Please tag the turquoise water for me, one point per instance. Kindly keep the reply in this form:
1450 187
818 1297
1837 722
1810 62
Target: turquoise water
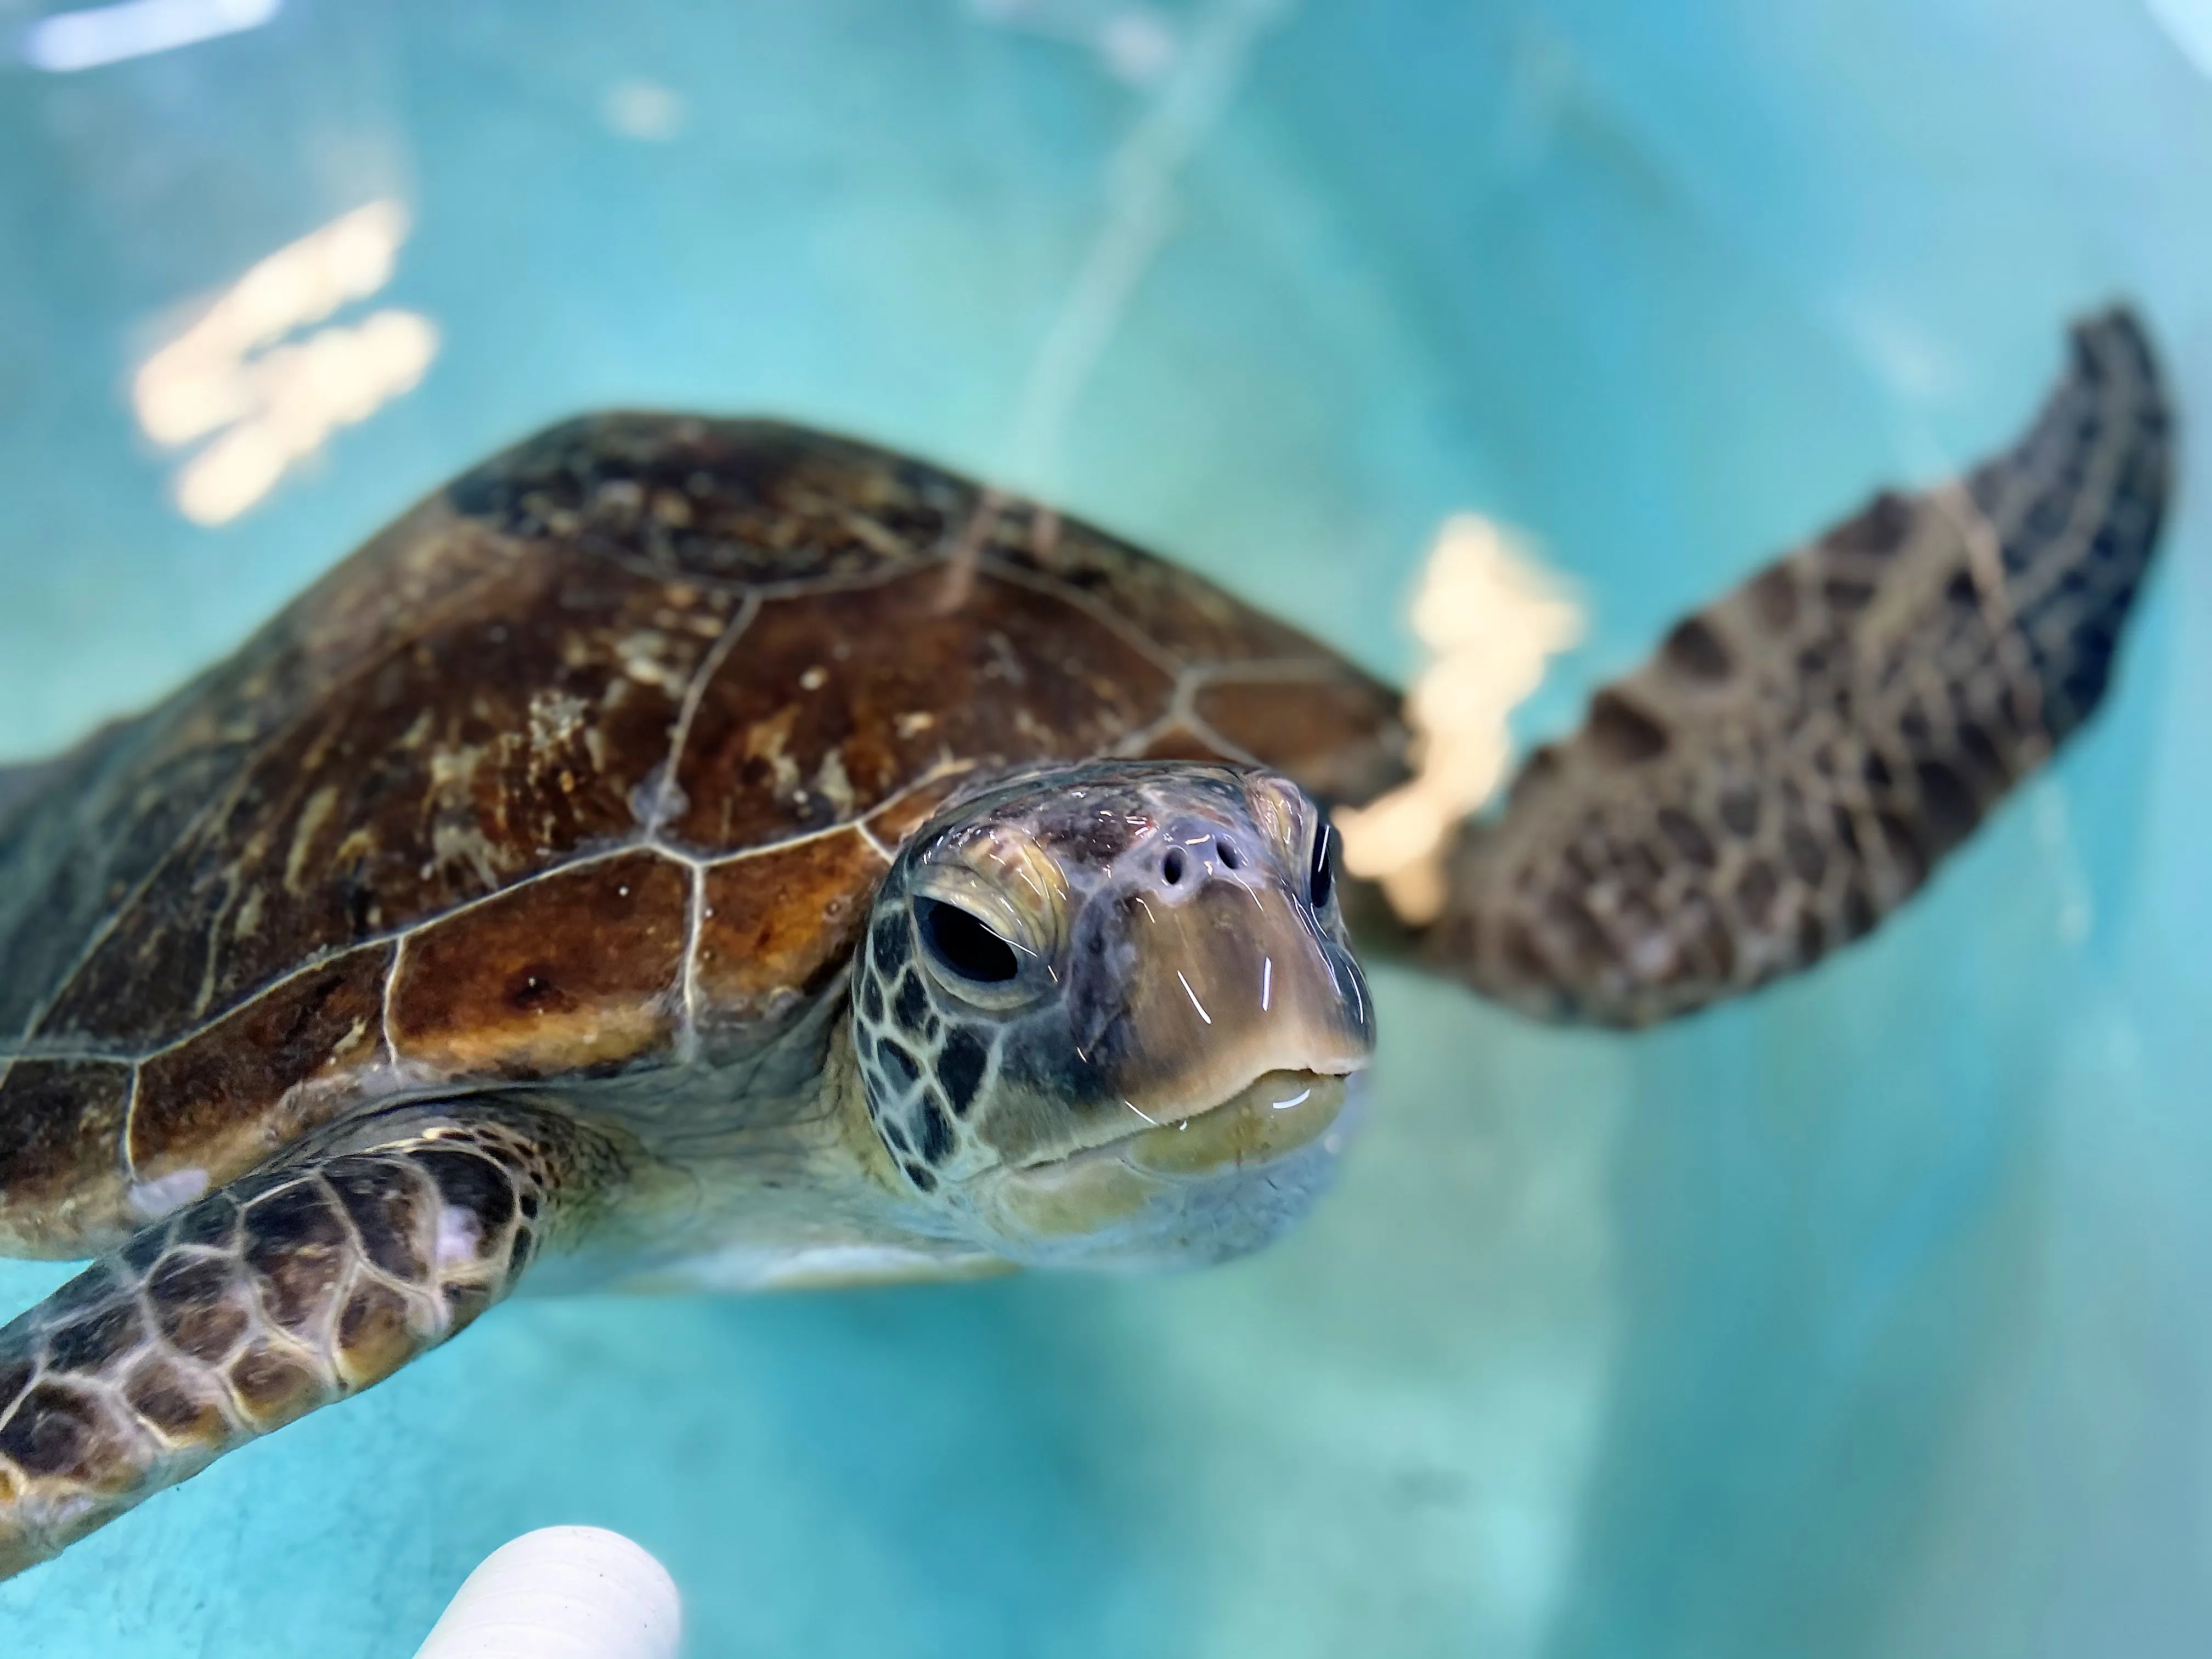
1864 1319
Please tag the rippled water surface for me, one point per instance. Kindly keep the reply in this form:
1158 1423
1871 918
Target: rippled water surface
1868 1318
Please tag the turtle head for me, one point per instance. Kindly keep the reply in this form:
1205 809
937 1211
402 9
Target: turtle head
1106 1015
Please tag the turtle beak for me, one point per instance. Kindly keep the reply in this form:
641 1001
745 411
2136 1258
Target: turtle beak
1185 998
1229 1028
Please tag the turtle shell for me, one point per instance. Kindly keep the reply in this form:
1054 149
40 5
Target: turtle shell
591 763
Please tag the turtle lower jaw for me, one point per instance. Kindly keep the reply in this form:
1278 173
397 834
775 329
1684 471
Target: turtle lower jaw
1224 1180
1276 1113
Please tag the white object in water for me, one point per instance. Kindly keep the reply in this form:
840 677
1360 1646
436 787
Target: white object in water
562 1593
1490 616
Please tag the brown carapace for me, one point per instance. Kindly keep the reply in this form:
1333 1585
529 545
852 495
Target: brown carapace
575 786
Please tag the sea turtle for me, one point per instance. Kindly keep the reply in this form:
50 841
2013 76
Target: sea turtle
711 850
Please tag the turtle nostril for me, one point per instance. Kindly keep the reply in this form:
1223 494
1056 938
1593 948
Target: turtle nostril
1171 867
1230 857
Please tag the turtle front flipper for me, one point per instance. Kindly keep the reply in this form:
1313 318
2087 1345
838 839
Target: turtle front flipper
294 1286
1797 759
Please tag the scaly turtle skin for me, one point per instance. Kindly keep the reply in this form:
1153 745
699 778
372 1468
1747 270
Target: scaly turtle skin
713 852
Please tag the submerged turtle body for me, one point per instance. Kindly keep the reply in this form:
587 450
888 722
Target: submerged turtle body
712 848
589 765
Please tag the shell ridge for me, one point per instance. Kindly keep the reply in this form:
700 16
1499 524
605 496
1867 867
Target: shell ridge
125 1162
29 1047
1038 581
246 761
665 788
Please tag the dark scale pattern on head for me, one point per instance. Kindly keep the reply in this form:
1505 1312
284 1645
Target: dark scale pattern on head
936 1129
960 1067
922 1070
898 1065
893 941
912 1005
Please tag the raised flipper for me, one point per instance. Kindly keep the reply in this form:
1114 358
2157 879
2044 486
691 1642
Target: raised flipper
292 1287
1797 759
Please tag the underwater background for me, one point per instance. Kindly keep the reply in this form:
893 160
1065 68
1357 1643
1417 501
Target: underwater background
1867 1317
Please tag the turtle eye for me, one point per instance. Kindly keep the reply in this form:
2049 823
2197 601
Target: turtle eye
964 945
1321 879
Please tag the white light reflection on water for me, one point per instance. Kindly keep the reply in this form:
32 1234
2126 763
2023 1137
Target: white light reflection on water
643 110
2190 24
1136 43
1142 177
73 40
269 401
